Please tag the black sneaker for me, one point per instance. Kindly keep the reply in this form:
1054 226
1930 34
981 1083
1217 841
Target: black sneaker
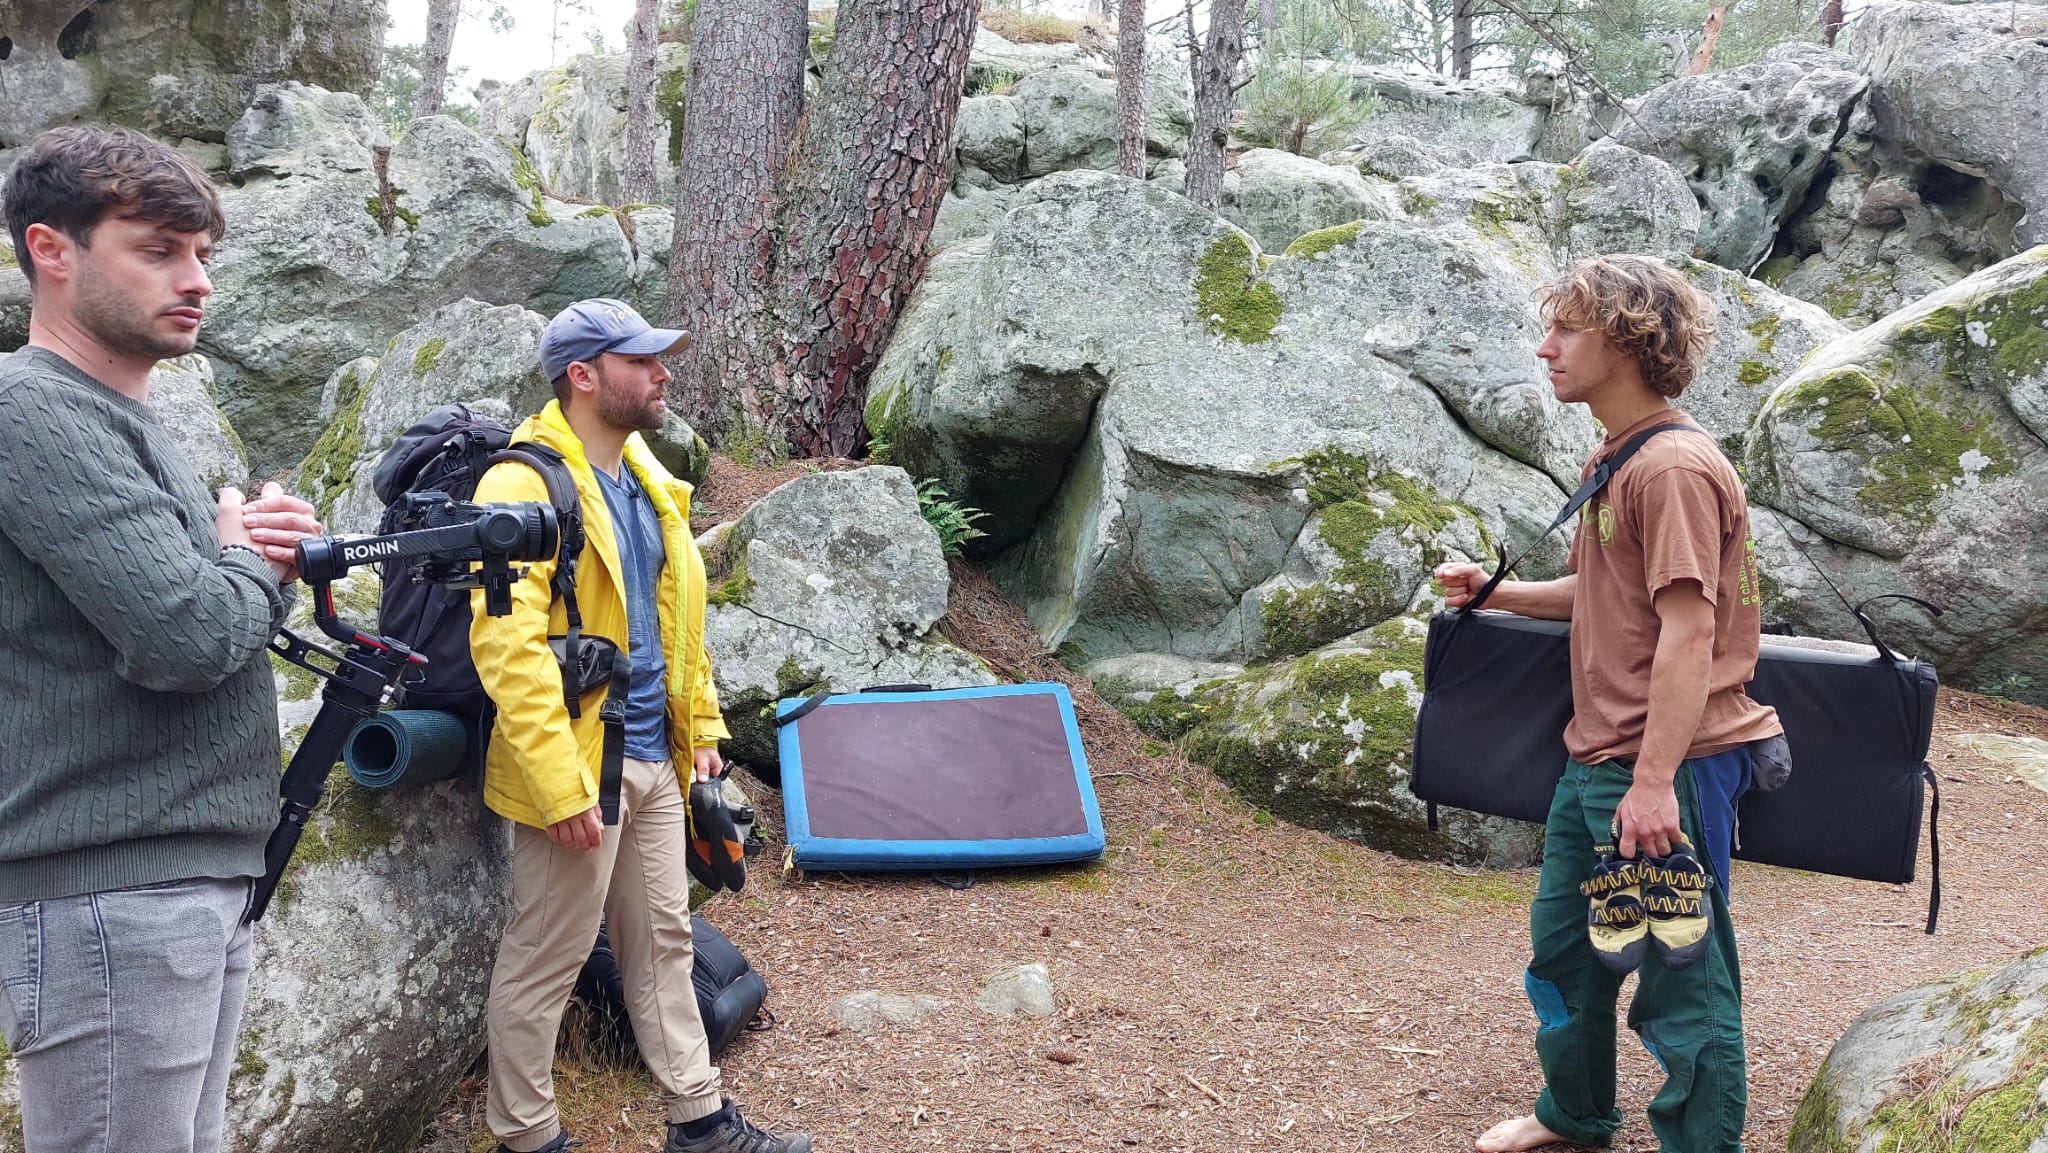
736 1134
562 1141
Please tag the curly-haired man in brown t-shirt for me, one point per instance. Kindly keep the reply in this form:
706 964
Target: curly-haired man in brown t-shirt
1665 620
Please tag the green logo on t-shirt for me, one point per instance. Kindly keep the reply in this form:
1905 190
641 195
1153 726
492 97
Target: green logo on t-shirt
1605 513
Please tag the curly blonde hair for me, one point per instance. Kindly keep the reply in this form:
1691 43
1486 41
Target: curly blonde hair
1643 307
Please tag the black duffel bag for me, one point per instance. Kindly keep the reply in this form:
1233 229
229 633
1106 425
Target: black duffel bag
1490 738
730 994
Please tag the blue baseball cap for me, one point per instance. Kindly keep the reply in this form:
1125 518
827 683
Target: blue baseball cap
588 329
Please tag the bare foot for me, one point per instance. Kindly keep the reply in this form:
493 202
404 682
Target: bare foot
1516 1135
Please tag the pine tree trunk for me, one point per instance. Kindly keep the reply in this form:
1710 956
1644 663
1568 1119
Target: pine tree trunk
441 16
1710 38
1461 39
644 60
1103 10
1215 72
1831 20
1269 26
745 97
1130 89
862 192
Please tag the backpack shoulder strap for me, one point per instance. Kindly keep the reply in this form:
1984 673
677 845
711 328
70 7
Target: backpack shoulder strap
1603 472
554 473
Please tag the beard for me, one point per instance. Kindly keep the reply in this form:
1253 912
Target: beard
626 409
124 325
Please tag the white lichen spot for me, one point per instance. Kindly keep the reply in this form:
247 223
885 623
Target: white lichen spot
1406 681
1354 729
1973 464
1979 334
818 581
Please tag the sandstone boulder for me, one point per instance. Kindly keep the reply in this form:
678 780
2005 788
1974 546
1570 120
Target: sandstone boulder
1915 447
307 279
1964 86
832 581
484 356
576 136
1959 1064
1277 196
181 394
183 68
1749 141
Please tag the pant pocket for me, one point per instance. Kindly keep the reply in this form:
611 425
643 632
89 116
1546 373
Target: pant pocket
21 972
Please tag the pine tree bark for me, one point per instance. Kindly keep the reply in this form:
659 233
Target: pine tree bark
1461 39
643 62
1831 20
1269 26
1103 10
1130 89
441 16
1710 39
1215 72
745 97
862 192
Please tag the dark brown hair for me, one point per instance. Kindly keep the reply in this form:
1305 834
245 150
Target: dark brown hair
75 177
1643 307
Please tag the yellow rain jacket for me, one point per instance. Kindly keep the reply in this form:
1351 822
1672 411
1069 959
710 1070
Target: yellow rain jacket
542 766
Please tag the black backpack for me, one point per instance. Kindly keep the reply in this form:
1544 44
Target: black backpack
730 994
449 451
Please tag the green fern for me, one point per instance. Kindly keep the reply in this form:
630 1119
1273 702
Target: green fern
953 521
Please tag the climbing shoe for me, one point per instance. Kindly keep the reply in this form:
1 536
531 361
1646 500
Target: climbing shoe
1615 920
1681 913
732 1133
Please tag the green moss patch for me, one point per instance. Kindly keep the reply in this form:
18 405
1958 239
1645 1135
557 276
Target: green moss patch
1753 372
428 356
1414 201
669 90
1330 748
1765 331
1231 297
1314 244
331 462
528 178
375 205
1916 442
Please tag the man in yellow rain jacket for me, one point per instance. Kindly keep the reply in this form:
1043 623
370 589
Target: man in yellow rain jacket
639 583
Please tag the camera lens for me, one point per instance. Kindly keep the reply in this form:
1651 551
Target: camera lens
501 531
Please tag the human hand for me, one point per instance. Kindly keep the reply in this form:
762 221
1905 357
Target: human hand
1648 816
230 520
276 521
708 763
1461 580
581 832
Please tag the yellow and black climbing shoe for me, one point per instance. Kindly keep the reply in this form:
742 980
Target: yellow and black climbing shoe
1681 914
1615 921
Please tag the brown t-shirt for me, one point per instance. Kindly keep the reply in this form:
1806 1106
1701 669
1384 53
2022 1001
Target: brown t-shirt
1675 512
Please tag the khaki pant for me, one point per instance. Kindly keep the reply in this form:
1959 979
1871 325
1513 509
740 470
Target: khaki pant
637 880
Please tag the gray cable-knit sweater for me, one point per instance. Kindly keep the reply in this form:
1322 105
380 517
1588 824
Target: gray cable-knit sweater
138 716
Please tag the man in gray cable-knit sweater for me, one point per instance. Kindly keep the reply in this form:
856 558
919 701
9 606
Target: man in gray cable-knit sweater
138 740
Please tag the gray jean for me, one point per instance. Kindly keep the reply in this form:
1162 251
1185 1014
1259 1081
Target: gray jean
121 1009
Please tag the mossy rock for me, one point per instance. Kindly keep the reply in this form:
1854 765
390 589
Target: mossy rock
1958 1066
1325 741
1378 532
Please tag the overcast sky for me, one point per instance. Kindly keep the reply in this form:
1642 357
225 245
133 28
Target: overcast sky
492 55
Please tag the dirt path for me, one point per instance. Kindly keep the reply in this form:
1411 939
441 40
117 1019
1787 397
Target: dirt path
1227 982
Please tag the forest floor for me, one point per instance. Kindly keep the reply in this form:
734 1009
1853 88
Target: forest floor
1228 981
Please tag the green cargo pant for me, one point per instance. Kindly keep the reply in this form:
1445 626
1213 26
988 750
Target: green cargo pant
1690 1021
